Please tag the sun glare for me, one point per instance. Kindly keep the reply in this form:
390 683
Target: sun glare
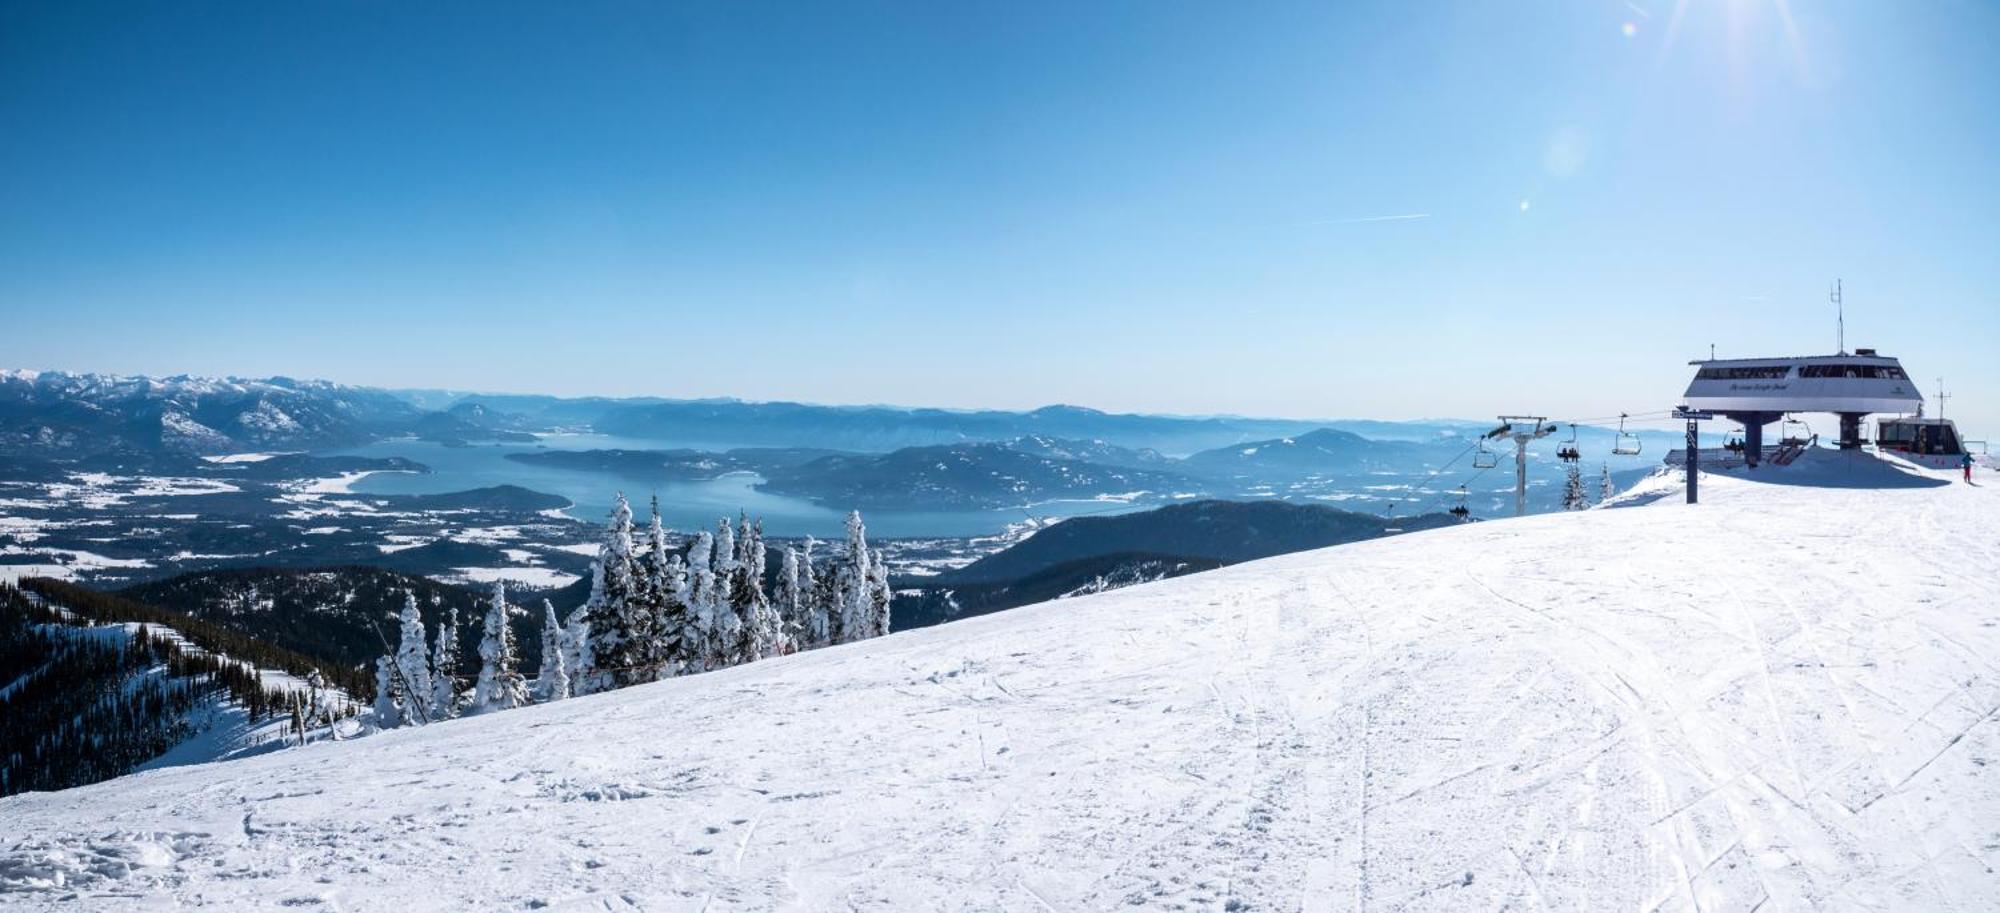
1742 20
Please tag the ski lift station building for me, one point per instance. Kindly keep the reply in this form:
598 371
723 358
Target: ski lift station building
1755 392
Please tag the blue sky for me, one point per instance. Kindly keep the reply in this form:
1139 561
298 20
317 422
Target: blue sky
1312 209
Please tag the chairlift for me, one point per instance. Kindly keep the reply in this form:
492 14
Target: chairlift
1484 458
1794 430
1627 443
1567 451
1459 510
1734 442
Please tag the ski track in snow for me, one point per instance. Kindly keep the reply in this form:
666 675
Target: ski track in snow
1783 699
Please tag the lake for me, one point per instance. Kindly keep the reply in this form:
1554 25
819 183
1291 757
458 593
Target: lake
683 505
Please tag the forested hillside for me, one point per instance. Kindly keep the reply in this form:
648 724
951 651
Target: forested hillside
101 686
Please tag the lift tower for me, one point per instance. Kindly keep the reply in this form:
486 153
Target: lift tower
1522 428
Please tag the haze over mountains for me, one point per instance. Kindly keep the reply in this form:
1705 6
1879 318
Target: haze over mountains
871 457
59 413
198 473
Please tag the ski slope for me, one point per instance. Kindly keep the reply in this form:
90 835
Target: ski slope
1785 698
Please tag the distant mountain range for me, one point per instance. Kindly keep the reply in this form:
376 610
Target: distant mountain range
865 457
64 415
883 428
1026 470
59 415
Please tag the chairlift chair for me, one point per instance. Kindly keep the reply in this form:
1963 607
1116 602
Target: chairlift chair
1484 458
1627 443
1567 451
1459 510
1794 430
1734 442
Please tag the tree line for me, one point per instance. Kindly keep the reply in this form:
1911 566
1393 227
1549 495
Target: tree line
655 611
80 703
105 608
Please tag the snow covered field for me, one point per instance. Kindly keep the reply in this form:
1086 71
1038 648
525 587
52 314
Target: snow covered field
1786 698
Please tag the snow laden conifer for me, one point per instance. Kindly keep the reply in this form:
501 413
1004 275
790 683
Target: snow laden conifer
789 602
1574 497
619 617
722 558
576 646
819 595
500 686
444 668
673 619
388 709
552 681
856 610
579 659
760 631
413 664
725 548
700 641
650 617
1605 490
656 553
878 595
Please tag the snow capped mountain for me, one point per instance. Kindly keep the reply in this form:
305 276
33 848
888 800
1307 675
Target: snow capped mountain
180 432
59 414
1782 698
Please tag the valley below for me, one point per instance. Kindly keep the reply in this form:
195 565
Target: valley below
115 481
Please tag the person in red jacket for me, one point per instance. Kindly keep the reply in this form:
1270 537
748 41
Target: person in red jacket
1965 462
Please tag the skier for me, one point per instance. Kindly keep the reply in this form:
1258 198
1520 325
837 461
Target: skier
1965 463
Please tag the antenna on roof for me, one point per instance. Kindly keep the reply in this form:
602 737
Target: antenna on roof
1840 315
1941 398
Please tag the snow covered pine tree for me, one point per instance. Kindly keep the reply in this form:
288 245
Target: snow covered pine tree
666 602
700 651
818 595
1605 490
552 682
414 665
862 588
500 686
444 668
788 600
620 619
1574 497
388 704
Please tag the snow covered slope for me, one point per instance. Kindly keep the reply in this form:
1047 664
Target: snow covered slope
1783 698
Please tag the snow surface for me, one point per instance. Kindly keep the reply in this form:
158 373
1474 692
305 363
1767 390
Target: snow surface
1783 698
542 578
245 457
